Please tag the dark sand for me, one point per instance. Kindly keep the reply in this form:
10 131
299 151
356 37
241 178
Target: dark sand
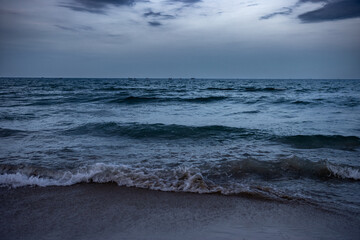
106 211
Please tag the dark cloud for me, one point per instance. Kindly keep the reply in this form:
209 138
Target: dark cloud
101 6
66 28
284 11
96 6
331 11
83 9
186 1
158 15
314 1
75 29
154 23
104 3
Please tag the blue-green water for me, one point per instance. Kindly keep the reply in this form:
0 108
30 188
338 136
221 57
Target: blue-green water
290 140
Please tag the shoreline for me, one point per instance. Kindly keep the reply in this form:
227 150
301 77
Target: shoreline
107 211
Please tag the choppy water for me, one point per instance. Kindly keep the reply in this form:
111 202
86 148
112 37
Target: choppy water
279 139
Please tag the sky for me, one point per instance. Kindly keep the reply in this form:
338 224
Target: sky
180 38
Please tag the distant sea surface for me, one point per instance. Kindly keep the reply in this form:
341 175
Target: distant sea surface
282 140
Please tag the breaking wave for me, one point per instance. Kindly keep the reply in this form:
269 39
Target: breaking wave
182 179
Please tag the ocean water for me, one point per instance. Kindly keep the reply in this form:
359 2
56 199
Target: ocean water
282 140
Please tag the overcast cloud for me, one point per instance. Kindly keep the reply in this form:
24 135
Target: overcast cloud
180 38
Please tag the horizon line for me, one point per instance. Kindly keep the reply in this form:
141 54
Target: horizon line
182 78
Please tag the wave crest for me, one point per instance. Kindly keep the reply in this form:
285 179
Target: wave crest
214 132
181 179
172 131
177 180
149 99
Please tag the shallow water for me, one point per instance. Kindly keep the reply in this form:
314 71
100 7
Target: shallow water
278 139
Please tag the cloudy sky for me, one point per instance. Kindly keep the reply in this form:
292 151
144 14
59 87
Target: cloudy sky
180 38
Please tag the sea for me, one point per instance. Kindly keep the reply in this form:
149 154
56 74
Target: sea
278 140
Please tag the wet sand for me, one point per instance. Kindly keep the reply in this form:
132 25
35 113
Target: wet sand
106 211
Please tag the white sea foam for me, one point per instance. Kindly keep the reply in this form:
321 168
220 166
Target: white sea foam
344 172
180 179
20 179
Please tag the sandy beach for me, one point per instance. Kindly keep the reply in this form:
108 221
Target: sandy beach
106 211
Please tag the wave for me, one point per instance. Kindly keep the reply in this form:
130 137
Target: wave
125 89
119 98
287 168
213 132
182 179
205 99
16 117
350 102
221 88
251 111
110 89
322 141
172 131
132 99
143 99
246 89
266 89
302 102
5 132
283 100
62 99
